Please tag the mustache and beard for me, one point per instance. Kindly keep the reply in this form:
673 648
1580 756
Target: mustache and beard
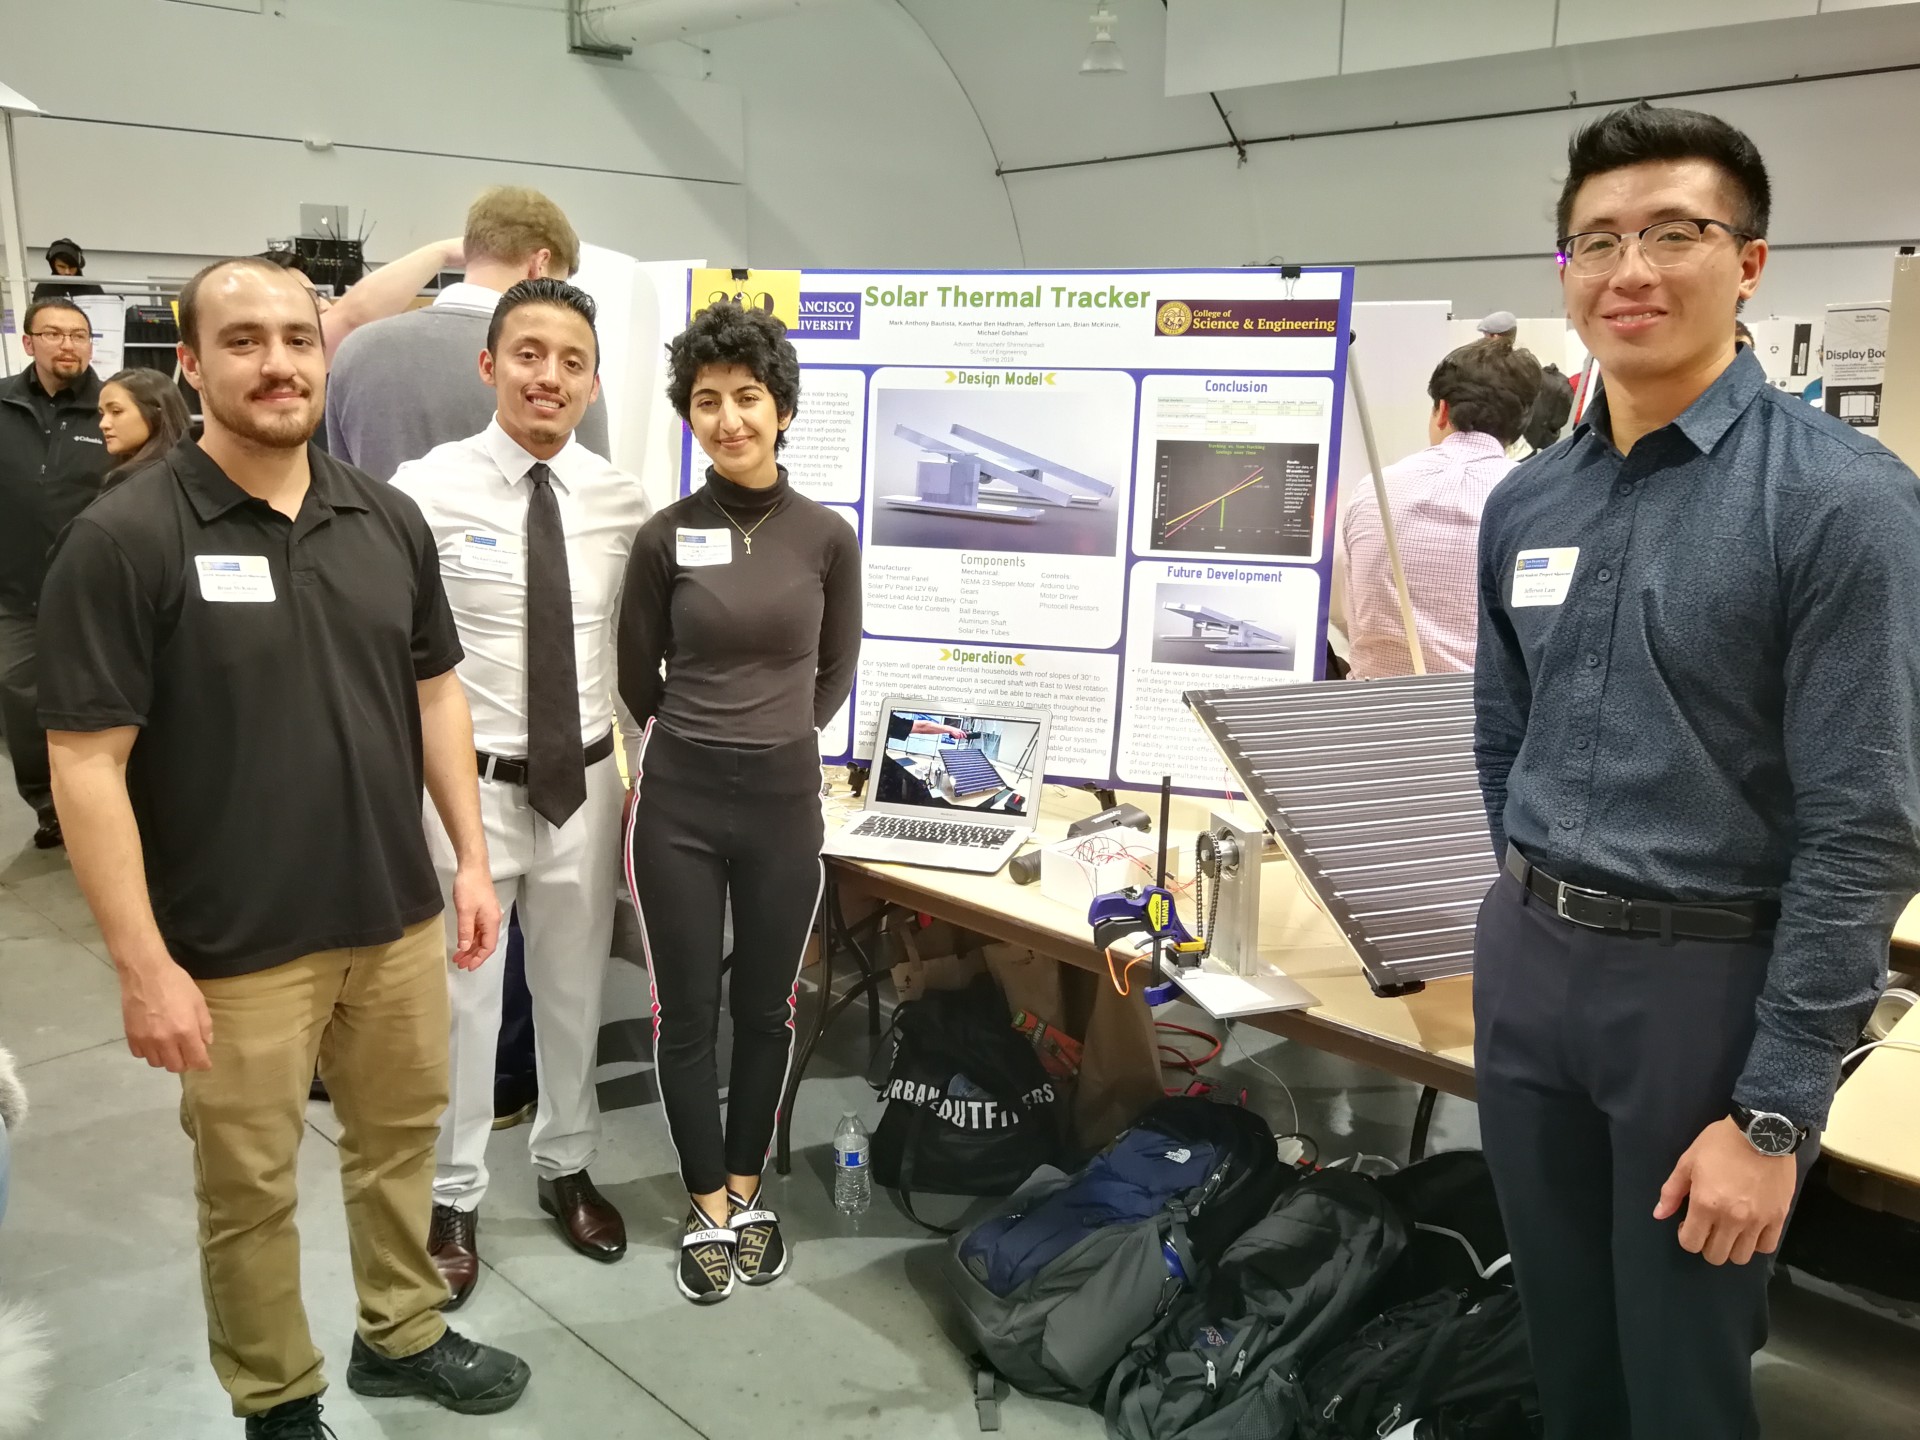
279 429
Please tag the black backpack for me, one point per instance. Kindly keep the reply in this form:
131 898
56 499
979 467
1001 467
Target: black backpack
1447 1347
969 1110
1450 1359
1225 1361
1055 1284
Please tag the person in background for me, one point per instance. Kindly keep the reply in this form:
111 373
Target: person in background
1742 336
402 385
381 293
1696 696
749 593
244 601
52 465
1552 407
1499 328
142 417
65 257
523 515
1482 394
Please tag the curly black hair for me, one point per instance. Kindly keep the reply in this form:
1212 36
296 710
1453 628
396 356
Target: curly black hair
725 334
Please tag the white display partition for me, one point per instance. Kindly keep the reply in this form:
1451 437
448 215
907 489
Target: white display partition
634 297
1396 344
1790 349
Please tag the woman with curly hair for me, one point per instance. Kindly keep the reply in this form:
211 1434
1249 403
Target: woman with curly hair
739 633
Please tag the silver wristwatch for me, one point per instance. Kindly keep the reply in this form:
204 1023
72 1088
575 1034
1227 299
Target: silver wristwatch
1768 1133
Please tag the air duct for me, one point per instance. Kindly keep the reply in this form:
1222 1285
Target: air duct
619 28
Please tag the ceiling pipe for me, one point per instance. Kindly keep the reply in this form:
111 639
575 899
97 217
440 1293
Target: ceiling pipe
649 22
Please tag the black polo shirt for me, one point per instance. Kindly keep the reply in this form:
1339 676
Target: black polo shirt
271 667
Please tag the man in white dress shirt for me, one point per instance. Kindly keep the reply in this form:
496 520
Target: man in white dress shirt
533 531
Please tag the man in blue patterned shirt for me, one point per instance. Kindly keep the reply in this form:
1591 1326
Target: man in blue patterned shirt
1698 701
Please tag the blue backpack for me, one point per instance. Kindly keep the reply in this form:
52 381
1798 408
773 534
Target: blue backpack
1057 1282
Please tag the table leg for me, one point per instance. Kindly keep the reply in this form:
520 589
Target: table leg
783 1130
1422 1123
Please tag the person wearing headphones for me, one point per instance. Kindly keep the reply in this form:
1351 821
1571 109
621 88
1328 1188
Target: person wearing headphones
739 634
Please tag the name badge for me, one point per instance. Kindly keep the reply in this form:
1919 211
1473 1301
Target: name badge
703 547
1543 577
489 553
235 579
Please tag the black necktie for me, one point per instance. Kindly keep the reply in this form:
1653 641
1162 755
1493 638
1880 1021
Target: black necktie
556 763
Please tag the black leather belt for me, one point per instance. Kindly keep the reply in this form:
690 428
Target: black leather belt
514 772
1597 910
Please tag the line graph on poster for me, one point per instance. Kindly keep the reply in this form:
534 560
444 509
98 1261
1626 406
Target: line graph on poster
1234 497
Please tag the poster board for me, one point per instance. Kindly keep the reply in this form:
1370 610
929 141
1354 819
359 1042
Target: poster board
1854 363
1085 492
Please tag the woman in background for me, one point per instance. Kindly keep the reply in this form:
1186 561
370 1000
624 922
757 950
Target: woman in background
141 418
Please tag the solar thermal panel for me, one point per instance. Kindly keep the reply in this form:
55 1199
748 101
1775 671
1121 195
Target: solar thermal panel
1371 789
972 772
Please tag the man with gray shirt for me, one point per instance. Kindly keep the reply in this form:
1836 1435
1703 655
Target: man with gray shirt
401 386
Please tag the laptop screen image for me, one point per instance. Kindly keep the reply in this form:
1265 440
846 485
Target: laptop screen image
942 761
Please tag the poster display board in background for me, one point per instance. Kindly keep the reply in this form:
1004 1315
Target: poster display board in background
1085 492
1855 363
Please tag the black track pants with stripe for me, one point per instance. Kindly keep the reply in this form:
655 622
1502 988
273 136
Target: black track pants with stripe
709 821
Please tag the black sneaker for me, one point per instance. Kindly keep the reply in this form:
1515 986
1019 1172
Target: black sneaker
48 835
705 1275
465 1377
295 1420
760 1257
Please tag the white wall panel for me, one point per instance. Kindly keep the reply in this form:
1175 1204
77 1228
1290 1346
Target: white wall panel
1384 34
1228 44
1617 19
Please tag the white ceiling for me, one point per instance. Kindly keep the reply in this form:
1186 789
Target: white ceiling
1018 62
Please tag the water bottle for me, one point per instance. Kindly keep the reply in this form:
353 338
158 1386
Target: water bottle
852 1177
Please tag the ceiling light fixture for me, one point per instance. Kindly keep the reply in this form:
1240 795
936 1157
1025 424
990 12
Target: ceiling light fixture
1103 55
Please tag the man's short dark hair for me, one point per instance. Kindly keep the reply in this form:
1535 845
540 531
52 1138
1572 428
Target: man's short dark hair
1635 134
725 334
190 295
1488 388
544 292
52 302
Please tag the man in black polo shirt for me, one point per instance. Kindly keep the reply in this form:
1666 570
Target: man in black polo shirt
1698 695
52 462
248 674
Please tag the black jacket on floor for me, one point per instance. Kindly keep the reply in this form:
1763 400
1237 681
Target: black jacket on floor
52 463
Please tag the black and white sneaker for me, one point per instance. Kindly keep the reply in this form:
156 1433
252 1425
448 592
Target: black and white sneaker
705 1274
760 1257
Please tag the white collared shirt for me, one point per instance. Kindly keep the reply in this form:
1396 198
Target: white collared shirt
465 295
474 494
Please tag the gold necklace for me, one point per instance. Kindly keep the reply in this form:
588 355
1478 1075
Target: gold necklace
746 536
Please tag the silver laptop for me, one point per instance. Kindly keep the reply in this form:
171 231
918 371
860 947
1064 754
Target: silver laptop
952 789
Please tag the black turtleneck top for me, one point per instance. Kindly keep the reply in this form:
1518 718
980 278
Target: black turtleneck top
759 637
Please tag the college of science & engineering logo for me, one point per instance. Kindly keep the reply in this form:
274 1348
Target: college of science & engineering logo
1173 318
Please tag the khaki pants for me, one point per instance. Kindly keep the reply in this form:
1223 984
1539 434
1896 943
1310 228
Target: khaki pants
375 1018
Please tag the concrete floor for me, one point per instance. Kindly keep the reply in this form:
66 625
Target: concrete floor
853 1343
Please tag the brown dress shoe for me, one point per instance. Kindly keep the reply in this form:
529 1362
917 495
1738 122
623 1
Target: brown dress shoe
453 1242
590 1223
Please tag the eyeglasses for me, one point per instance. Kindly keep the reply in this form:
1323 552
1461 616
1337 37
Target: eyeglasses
62 337
1665 245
